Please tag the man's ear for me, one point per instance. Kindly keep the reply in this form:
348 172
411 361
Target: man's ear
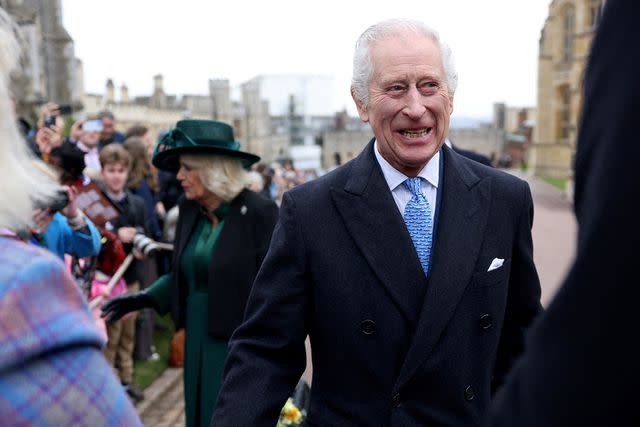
362 109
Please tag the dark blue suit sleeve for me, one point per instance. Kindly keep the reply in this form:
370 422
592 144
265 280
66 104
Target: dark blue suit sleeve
266 353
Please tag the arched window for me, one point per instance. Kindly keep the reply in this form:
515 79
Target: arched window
595 11
568 30
564 113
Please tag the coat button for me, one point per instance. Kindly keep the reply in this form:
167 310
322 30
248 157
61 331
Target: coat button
469 394
486 321
395 400
368 327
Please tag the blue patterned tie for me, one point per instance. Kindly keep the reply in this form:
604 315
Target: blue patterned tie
417 216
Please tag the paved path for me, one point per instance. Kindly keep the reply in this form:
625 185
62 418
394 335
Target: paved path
554 236
163 405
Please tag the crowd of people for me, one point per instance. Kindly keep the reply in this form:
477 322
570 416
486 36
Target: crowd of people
144 196
410 268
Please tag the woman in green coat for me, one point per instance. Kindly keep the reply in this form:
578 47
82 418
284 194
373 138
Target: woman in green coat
222 235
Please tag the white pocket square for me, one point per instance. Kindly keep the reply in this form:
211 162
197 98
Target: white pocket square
496 263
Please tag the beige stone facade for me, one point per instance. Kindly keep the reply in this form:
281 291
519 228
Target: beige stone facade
565 41
49 69
340 146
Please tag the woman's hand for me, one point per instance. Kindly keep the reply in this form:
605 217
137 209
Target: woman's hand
117 307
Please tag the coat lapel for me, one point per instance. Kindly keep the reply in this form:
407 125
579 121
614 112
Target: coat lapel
189 212
375 224
462 220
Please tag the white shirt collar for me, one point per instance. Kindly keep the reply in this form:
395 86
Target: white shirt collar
430 172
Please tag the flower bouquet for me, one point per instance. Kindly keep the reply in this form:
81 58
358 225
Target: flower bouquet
291 415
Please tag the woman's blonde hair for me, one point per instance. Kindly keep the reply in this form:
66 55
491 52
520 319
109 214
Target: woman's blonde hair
22 183
223 176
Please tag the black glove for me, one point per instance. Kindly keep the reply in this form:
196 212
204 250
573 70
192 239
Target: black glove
117 307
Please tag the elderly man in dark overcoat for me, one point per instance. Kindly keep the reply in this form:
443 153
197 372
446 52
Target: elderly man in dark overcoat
410 267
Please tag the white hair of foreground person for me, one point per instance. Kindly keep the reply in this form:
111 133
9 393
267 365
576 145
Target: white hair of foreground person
22 184
222 175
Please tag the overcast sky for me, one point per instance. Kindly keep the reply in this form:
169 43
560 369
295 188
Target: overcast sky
495 43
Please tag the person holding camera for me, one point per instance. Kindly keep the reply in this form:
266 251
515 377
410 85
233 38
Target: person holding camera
64 228
115 163
49 132
60 226
222 236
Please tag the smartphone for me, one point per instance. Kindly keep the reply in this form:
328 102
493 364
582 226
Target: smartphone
92 126
65 109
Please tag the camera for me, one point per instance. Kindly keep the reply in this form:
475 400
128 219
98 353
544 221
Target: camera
144 244
50 121
65 109
57 203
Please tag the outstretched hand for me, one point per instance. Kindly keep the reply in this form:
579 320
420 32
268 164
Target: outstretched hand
117 307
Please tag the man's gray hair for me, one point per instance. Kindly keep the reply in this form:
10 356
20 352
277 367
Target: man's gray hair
363 67
22 183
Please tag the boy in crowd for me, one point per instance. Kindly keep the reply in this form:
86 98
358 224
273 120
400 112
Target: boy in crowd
115 162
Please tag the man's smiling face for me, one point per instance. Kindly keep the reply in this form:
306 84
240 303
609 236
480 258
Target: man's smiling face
409 102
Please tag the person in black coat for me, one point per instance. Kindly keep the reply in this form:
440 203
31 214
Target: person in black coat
480 158
222 236
581 366
398 338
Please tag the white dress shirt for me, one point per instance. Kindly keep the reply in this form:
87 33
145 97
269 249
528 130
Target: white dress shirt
429 184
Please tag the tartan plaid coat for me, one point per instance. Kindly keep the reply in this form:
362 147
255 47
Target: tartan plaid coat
52 371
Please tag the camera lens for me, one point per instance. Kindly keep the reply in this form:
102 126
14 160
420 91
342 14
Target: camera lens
50 121
144 244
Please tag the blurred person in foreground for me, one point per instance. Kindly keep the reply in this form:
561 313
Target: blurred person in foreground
52 372
409 267
222 235
580 366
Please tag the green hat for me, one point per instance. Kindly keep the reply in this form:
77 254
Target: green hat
198 137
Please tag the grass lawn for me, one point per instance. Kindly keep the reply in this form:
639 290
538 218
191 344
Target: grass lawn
560 183
145 372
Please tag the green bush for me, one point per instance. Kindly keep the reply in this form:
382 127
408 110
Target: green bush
560 183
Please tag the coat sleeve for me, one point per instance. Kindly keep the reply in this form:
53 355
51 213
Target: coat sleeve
82 243
523 300
267 352
52 370
160 290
